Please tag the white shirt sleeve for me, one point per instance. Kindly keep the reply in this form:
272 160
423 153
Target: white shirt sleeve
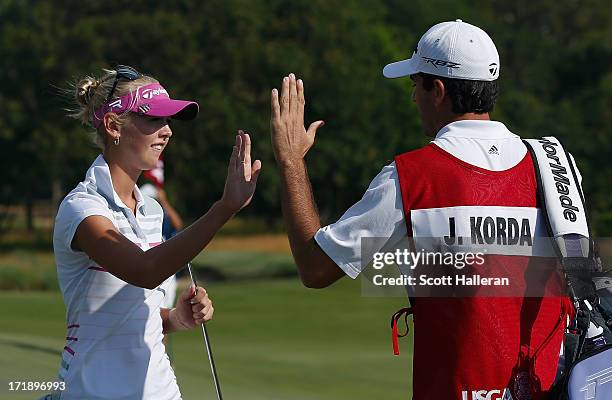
379 214
72 211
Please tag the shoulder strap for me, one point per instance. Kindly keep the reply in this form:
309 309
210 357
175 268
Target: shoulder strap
562 202
561 198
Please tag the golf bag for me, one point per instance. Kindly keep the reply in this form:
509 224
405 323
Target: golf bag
586 368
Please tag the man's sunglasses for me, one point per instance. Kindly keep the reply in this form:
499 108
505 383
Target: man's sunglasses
122 72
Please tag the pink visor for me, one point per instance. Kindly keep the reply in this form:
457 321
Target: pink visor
150 100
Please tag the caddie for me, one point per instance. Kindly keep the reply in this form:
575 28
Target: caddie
465 348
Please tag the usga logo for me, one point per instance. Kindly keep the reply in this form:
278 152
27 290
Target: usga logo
494 394
149 93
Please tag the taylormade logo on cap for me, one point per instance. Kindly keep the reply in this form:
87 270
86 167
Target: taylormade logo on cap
454 50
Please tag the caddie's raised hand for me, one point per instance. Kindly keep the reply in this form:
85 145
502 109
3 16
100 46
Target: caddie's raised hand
241 175
290 139
192 308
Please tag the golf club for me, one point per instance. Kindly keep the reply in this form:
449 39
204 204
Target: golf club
207 343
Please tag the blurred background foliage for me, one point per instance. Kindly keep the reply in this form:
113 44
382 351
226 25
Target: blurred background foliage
228 54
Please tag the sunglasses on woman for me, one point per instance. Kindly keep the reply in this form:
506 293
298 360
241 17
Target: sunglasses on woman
122 72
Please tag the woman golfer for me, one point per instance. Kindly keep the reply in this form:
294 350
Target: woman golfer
112 267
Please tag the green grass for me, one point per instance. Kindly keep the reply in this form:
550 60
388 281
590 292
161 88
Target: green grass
273 339
23 269
237 265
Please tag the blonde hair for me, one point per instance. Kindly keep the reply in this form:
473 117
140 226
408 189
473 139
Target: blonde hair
90 93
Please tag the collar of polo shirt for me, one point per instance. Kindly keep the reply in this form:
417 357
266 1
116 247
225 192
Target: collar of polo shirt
476 129
104 184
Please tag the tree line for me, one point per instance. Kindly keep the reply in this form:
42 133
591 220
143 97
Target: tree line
228 55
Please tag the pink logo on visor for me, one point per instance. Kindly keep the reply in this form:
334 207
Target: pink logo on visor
151 100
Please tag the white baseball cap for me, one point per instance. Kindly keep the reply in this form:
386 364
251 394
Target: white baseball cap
455 50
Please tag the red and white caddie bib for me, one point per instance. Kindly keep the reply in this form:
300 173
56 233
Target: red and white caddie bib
473 348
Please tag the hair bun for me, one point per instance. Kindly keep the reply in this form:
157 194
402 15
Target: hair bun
85 90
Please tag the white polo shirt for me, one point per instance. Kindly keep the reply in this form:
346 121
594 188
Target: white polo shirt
379 213
114 346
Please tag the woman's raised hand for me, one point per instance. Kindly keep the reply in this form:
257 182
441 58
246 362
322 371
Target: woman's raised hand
241 175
